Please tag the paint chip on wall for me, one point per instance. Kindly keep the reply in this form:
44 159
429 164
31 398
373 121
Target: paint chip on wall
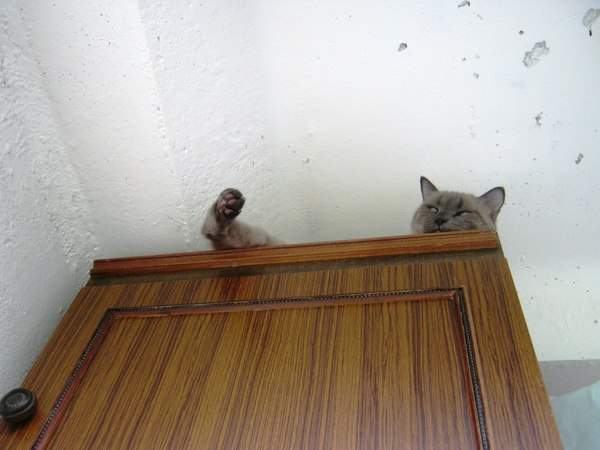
589 18
465 3
533 57
538 119
402 47
579 158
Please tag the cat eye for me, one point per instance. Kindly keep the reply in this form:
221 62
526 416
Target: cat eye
461 213
433 209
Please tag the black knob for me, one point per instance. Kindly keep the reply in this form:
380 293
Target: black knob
18 405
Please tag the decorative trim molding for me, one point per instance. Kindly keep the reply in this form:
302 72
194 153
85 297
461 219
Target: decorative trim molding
418 244
455 295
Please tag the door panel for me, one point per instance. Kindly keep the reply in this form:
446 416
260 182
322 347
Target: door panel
360 371
441 355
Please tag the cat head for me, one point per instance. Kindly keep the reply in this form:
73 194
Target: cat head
453 211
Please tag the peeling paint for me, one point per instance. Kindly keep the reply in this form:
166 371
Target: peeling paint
533 57
589 18
476 75
465 3
402 47
579 158
538 119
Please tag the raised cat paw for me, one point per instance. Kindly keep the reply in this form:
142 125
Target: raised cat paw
229 204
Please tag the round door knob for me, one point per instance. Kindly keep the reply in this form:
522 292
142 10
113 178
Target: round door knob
18 405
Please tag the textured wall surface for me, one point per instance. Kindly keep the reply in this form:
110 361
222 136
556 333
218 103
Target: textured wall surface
46 235
124 120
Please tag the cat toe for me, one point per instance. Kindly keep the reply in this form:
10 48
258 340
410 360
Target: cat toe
230 203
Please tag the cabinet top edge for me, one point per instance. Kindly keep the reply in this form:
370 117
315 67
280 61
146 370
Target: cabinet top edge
417 244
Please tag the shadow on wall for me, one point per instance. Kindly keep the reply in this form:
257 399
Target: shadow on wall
561 377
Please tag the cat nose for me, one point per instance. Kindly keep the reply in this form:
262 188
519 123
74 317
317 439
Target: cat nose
440 221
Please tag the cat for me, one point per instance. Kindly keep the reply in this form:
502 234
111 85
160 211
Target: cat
224 232
454 211
440 211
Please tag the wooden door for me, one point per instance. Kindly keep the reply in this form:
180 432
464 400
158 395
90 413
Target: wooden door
411 342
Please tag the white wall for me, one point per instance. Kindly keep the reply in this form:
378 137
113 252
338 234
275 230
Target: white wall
46 236
311 110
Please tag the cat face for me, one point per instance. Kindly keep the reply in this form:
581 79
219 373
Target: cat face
454 211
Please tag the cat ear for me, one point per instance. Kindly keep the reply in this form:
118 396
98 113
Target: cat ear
427 188
494 199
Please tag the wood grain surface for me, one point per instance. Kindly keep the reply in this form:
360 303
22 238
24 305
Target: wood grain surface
515 405
358 372
299 253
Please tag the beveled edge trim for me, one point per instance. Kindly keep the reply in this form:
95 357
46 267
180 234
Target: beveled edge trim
73 381
460 296
112 314
459 241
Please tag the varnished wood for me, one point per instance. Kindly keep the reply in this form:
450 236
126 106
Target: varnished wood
299 253
273 374
514 402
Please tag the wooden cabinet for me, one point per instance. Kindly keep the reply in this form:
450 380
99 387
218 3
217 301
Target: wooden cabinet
406 342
